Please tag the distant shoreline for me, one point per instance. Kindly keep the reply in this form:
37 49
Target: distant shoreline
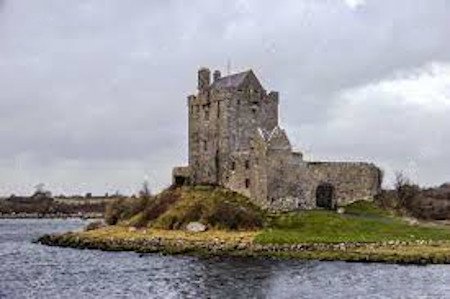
51 216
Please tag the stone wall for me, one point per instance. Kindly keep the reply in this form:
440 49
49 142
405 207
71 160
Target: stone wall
181 175
240 173
351 181
207 123
222 122
280 178
287 183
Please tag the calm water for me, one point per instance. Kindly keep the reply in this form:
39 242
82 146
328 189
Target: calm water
34 271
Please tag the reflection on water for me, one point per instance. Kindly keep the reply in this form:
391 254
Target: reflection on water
34 271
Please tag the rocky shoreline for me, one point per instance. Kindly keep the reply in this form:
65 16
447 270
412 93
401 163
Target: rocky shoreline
411 252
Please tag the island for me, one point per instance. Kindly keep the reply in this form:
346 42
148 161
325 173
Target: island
234 226
247 192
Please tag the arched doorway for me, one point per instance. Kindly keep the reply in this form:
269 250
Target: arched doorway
324 196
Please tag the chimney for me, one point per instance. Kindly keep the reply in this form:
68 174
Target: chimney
204 78
216 75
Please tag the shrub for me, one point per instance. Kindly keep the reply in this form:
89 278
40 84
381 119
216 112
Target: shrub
122 209
226 215
113 211
408 198
156 207
402 198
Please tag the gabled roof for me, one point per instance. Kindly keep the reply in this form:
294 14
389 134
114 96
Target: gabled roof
234 80
275 139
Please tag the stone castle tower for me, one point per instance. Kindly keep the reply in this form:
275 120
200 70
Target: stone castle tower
235 142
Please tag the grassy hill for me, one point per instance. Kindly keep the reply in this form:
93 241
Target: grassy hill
174 208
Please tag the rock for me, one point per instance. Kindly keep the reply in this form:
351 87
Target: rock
340 210
132 229
94 225
412 221
195 227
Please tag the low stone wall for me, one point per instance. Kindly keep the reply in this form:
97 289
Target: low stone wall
351 181
181 175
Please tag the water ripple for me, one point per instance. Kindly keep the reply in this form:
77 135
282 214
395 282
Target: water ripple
30 270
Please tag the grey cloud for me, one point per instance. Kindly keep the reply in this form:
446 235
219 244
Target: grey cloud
105 82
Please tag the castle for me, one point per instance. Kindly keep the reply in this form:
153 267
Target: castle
235 141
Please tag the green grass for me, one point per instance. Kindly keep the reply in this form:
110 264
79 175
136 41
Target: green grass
362 222
366 208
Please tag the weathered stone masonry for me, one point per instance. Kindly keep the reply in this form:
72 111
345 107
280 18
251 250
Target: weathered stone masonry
235 142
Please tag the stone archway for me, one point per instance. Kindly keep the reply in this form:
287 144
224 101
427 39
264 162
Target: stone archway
324 196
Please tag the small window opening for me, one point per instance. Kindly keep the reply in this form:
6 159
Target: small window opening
233 165
205 145
247 164
247 183
206 114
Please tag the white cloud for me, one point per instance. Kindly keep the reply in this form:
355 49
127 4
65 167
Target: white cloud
353 4
400 123
428 87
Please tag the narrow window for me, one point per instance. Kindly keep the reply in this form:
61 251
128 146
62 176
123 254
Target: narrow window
233 166
206 114
247 183
205 145
247 164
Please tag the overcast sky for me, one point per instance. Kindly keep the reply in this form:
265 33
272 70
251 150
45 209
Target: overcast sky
93 92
